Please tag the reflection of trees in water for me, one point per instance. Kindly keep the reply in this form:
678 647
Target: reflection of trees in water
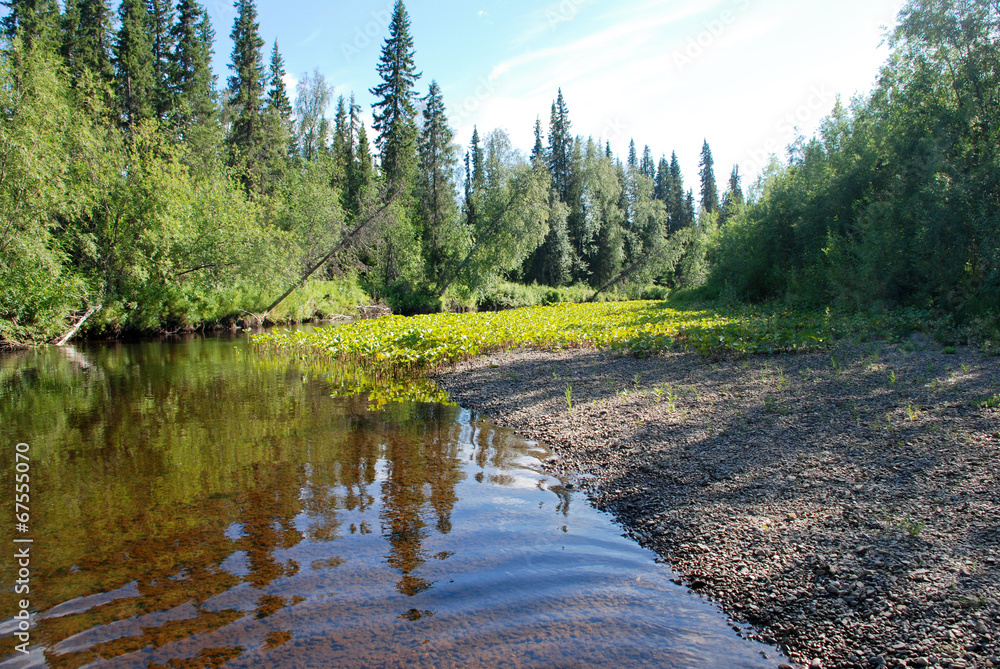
268 505
423 454
152 454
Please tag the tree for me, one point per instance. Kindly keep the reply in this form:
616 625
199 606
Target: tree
246 92
393 112
676 209
134 75
646 166
709 191
437 212
512 210
360 171
311 125
278 142
733 199
560 146
538 156
192 83
88 39
277 94
36 21
633 159
161 19
662 186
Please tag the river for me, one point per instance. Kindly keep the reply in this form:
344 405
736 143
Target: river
194 505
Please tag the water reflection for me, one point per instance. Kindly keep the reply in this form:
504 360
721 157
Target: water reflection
195 507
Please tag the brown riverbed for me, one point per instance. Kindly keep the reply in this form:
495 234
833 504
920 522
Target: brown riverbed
846 503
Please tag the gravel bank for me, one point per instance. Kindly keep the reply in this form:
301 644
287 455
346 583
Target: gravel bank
846 503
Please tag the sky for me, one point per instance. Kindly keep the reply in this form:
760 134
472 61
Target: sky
747 75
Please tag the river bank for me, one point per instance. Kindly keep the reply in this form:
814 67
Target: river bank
844 502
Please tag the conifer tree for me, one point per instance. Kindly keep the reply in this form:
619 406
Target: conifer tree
361 172
436 190
246 89
277 94
633 159
538 150
278 113
341 150
662 184
709 190
474 177
478 171
133 61
87 35
560 146
192 83
676 218
647 166
161 19
393 112
733 199
34 20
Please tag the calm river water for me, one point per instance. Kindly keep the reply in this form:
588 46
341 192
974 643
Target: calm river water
194 506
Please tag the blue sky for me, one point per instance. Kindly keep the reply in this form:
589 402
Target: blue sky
742 73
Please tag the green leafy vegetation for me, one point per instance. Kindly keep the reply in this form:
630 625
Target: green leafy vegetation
640 328
132 181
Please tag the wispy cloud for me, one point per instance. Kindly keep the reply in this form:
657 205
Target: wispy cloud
316 33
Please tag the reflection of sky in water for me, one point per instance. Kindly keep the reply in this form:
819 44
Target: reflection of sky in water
221 511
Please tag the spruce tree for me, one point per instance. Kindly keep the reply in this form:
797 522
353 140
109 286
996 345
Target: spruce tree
277 94
647 166
538 150
278 140
662 181
192 83
341 150
676 218
733 199
161 19
36 21
246 89
478 169
436 189
709 190
633 159
88 39
133 61
361 173
560 146
393 112
474 177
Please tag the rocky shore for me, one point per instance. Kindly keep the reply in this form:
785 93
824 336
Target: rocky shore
845 503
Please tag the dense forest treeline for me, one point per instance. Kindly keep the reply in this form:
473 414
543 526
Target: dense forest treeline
130 178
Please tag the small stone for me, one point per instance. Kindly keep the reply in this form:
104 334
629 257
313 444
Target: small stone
816 664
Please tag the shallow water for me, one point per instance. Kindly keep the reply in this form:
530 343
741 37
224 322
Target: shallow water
193 506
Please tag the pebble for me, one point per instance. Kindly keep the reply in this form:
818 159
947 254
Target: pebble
884 560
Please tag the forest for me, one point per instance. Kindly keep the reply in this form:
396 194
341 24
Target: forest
132 178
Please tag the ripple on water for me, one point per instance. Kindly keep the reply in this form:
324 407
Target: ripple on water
214 510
